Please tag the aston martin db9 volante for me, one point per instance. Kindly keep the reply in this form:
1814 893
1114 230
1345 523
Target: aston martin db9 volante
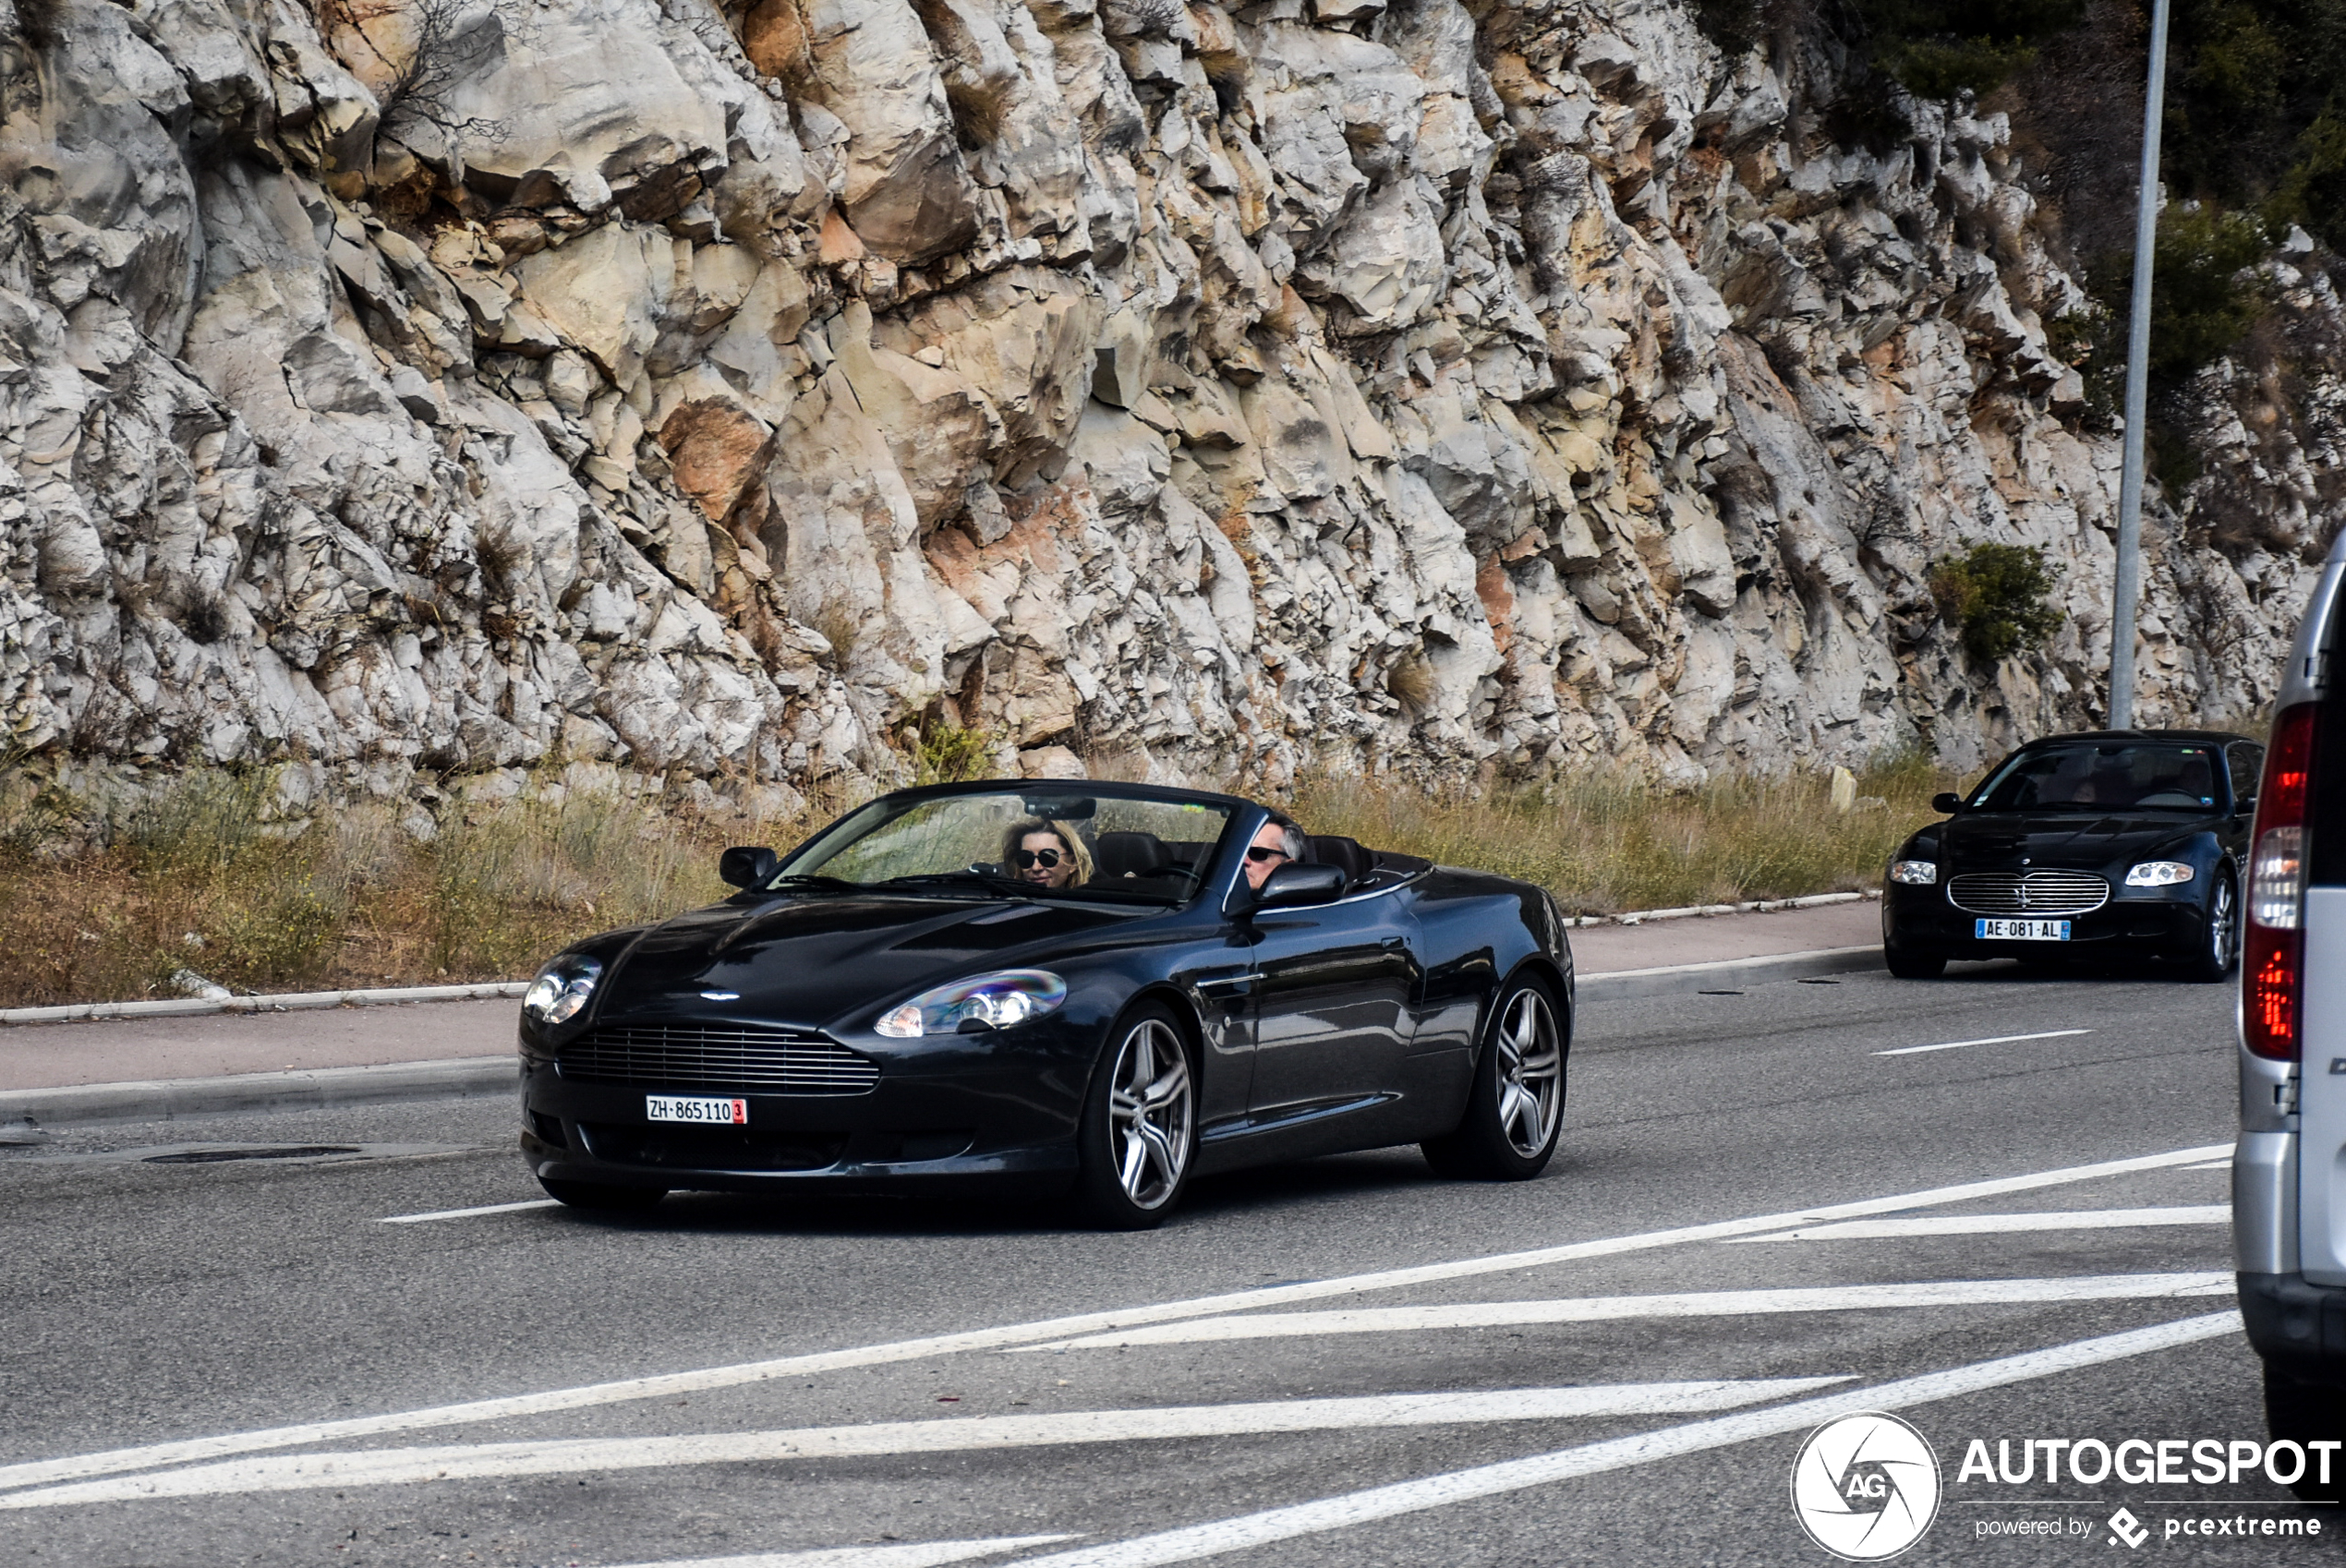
2120 843
1106 988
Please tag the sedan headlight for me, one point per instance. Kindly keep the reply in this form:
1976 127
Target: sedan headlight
562 988
991 1001
2160 874
1915 874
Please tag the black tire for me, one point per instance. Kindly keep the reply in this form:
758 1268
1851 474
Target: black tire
1520 1073
2300 1412
600 1196
1138 1138
2219 951
1912 963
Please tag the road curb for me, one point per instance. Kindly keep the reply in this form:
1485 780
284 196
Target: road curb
281 1002
160 1100
1683 979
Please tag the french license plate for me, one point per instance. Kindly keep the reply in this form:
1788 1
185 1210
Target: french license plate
2020 930
678 1108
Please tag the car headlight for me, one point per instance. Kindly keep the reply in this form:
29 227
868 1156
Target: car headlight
562 988
2160 874
1915 874
991 1001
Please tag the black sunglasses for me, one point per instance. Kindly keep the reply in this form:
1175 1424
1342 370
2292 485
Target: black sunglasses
1257 853
1047 859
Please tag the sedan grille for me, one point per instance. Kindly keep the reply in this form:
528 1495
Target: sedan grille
692 1056
2029 893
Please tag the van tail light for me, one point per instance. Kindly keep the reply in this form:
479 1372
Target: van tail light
2272 969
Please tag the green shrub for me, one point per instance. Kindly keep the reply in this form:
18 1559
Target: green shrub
2204 297
1996 597
1937 48
946 753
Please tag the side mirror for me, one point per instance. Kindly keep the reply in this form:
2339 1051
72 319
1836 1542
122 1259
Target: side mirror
1293 884
746 867
1945 804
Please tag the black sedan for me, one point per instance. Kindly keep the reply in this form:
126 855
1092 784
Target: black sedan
1106 988
2118 843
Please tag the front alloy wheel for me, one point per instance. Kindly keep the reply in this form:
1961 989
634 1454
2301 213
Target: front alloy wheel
2219 934
1140 1127
1516 1103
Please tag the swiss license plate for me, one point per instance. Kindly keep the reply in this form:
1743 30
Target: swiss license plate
2020 930
679 1108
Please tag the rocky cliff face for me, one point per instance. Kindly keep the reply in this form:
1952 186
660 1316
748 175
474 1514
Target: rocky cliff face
451 384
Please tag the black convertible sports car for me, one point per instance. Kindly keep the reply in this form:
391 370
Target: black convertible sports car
2116 843
1057 985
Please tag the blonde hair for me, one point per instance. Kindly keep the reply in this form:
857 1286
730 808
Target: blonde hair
1077 851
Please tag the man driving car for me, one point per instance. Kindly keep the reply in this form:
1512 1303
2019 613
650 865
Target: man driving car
1276 843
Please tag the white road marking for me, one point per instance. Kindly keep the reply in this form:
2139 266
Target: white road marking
468 1214
150 1455
908 1554
1992 1040
565 1456
1693 1304
2004 1224
1189 1544
2223 1164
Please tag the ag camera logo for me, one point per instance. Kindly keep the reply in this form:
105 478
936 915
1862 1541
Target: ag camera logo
1864 1487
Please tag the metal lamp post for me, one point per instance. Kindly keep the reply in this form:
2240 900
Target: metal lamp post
2127 589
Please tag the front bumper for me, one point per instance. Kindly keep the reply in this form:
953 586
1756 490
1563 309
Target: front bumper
2153 921
2296 1325
995 1126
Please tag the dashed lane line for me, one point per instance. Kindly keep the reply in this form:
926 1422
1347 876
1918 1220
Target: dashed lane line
1992 1040
661 1385
1189 1544
1691 1304
568 1456
906 1554
468 1214
2003 1224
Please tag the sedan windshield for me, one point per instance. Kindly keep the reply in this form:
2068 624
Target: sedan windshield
2116 775
1021 842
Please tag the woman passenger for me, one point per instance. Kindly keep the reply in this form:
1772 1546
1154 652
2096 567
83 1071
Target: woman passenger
1050 854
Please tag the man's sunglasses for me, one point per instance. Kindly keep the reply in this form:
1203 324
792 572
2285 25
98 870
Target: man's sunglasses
1047 859
1257 853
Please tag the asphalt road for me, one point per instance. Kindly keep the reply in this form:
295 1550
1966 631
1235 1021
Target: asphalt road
224 1309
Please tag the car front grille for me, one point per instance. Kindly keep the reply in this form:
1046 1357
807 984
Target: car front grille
2029 894
692 1056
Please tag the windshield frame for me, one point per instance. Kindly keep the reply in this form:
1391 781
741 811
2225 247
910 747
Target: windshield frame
877 812
1975 801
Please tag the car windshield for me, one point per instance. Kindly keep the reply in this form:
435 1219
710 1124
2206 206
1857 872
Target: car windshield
1019 842
2117 775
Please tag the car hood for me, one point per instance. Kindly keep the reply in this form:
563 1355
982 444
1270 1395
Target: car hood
807 961
1998 841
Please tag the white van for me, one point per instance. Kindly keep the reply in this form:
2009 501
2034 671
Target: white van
2289 1175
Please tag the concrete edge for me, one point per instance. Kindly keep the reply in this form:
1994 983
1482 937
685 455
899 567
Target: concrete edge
281 1002
1685 980
467 1076
159 1100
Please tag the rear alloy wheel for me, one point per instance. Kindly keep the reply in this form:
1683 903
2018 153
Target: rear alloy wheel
600 1195
1516 1107
1139 1135
2305 1413
2219 934
1912 963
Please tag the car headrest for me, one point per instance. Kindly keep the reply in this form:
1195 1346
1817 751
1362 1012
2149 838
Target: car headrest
1345 854
1131 854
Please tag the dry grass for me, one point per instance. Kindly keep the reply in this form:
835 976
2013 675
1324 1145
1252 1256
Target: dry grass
109 902
1606 846
105 900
